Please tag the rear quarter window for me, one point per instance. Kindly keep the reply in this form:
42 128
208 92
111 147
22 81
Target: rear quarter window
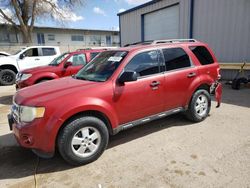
202 54
48 51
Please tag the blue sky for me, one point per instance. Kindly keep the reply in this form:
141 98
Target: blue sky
97 14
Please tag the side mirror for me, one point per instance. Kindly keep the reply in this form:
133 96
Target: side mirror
22 56
67 64
127 76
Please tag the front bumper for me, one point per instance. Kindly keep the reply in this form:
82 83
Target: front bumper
21 84
34 135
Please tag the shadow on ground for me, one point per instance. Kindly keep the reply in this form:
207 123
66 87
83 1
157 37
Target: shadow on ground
6 100
17 162
236 97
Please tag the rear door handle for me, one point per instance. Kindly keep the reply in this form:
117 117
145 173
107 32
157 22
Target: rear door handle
155 83
37 59
192 74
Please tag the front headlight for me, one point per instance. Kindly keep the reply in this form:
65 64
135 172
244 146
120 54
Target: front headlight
28 114
25 77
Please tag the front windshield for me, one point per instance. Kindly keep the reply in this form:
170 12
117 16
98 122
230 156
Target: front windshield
101 67
59 59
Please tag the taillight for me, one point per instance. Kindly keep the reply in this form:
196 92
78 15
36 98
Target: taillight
218 74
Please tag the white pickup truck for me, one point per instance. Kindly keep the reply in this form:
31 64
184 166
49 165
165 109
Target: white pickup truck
29 57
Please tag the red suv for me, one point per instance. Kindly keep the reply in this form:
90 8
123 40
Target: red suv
65 65
117 90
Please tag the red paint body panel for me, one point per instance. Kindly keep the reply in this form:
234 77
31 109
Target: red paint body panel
54 72
120 103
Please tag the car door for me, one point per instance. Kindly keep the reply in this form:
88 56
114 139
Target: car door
144 97
47 54
29 59
179 75
78 61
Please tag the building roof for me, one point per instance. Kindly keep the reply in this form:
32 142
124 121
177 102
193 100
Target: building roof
138 7
62 28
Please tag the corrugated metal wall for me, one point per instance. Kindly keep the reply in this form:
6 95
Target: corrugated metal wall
225 26
130 23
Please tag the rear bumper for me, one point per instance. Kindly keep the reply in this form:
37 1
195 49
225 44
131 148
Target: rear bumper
216 90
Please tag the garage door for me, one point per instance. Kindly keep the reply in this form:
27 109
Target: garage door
162 24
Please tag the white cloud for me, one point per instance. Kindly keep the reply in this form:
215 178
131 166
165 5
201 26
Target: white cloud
121 10
98 10
136 2
74 18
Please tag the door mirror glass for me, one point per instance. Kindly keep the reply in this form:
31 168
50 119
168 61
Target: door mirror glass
127 76
67 64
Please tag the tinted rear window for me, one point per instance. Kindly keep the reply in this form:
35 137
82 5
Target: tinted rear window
202 54
48 51
176 58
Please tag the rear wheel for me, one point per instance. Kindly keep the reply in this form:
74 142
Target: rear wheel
199 106
83 140
7 77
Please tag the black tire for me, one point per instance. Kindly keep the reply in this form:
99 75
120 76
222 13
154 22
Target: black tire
192 113
7 77
72 130
236 84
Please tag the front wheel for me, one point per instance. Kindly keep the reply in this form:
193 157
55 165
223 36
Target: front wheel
7 77
83 140
199 106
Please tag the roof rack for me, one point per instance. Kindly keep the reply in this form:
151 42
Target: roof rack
161 42
136 43
173 41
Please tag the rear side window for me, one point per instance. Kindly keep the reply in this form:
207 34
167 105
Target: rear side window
202 54
48 51
145 63
93 54
175 58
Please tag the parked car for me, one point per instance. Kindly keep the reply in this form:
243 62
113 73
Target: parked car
117 90
29 57
3 54
64 65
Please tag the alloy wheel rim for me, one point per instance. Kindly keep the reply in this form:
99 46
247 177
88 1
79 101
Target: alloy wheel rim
7 77
201 105
86 142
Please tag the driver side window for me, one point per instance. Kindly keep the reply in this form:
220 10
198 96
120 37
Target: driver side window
145 63
33 52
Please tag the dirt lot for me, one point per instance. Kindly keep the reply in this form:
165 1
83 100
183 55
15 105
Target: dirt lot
171 152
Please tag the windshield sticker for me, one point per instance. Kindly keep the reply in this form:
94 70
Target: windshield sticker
114 58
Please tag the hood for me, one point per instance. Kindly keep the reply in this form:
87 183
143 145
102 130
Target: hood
7 59
39 69
52 90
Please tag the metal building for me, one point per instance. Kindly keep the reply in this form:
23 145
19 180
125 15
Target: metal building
223 24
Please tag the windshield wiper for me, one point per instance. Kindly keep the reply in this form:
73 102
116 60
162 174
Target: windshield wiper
83 78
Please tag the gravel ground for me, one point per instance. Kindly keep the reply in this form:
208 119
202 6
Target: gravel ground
171 152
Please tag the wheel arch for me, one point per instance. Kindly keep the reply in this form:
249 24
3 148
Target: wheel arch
93 113
10 67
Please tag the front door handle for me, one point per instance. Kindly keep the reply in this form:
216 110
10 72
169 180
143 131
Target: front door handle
192 74
155 83
37 59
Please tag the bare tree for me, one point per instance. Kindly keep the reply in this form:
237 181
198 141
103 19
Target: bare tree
22 14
